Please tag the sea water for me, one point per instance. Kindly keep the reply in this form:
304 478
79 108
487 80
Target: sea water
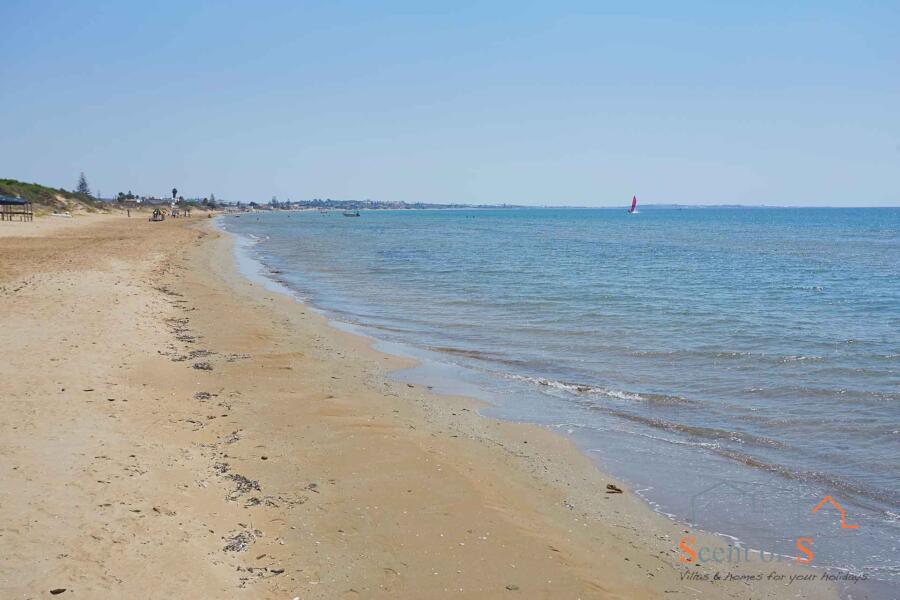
734 366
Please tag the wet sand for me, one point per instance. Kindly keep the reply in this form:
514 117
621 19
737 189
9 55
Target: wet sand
171 430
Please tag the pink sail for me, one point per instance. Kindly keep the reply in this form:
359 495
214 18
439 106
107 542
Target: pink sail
633 204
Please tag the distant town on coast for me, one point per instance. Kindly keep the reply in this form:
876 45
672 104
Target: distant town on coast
46 197
276 204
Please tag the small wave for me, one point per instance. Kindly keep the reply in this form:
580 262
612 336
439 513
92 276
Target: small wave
695 431
799 358
583 389
731 354
576 388
676 442
709 354
856 491
377 326
805 288
481 355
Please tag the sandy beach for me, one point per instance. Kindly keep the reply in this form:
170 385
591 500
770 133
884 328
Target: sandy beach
171 430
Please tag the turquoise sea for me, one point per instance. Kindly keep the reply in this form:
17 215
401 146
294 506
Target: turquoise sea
734 366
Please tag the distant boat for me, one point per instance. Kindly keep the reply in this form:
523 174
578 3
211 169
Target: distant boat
633 205
351 213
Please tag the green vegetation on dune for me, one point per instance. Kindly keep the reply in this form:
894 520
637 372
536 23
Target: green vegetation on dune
47 198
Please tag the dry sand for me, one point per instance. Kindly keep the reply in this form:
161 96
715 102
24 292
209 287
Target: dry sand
170 430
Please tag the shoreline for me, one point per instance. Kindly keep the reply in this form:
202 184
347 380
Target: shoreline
258 424
413 363
446 378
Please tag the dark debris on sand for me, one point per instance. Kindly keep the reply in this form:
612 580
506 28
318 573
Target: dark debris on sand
241 540
242 486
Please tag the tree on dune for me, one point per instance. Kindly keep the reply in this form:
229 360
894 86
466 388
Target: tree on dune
83 187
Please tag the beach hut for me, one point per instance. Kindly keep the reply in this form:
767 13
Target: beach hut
15 209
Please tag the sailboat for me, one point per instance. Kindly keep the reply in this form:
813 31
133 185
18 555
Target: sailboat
633 205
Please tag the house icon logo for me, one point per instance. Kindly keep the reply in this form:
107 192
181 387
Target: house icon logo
804 544
840 509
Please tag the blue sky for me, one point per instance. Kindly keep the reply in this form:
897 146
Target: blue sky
557 103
